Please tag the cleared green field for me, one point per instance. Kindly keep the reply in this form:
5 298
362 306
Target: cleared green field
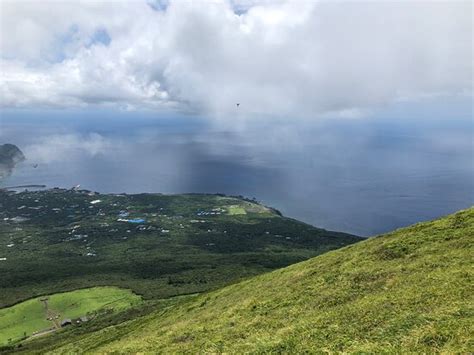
26 318
235 210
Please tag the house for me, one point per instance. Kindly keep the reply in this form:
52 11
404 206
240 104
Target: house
123 214
136 220
66 322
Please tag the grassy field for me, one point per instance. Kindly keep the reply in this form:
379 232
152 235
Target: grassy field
409 291
235 210
28 317
62 240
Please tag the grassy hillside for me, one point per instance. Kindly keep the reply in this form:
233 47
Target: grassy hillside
46 313
406 291
156 245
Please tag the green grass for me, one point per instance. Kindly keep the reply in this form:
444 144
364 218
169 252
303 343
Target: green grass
236 210
23 319
409 291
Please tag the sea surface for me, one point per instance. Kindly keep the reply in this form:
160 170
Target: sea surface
363 176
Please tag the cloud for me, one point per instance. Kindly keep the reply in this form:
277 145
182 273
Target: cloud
276 58
64 147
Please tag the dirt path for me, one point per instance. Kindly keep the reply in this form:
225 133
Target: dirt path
43 332
50 314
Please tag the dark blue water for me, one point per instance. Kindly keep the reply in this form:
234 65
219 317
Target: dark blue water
364 176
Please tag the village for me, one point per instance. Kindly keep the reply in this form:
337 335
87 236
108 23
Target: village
84 217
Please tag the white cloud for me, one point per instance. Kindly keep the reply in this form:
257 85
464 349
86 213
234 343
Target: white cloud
64 147
286 58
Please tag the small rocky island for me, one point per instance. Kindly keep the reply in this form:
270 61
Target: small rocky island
10 155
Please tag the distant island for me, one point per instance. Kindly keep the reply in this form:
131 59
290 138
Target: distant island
10 155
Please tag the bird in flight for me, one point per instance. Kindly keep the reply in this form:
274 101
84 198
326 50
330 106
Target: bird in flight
237 104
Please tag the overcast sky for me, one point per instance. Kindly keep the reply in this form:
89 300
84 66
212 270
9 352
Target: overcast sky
277 58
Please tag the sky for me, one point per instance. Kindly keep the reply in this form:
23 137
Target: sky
296 60
354 115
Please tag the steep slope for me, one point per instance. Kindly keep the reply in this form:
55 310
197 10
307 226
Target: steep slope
409 290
